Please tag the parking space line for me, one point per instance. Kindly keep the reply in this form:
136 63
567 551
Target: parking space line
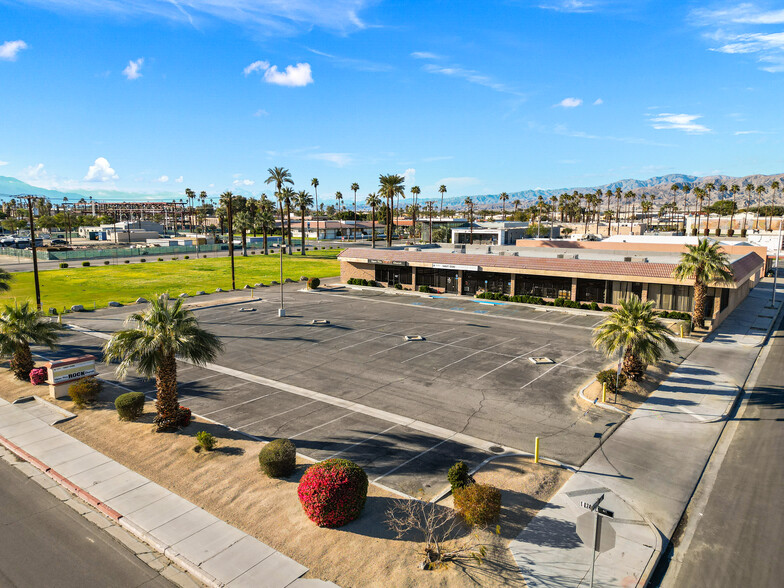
276 415
197 379
475 353
361 442
322 425
437 348
552 368
352 332
407 342
240 403
368 341
511 360
396 468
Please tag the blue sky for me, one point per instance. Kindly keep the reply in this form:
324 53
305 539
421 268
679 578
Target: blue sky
484 97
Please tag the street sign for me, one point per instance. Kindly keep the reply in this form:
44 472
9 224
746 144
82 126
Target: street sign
604 536
592 505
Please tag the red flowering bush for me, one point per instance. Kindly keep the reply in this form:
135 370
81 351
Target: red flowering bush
37 376
333 492
184 416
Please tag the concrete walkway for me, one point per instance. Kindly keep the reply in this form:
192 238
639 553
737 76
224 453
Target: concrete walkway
648 469
213 551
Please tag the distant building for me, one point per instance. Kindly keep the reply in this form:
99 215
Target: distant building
492 233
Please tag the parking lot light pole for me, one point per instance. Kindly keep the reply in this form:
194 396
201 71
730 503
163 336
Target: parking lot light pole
35 255
281 310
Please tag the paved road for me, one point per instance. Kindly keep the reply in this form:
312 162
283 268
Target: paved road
44 542
738 537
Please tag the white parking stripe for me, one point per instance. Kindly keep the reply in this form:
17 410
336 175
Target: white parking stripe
393 470
441 345
361 442
552 368
322 425
276 415
475 353
241 403
511 360
406 342
368 341
352 332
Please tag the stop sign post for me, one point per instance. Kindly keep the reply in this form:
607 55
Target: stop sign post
595 530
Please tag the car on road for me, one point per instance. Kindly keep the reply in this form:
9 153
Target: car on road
59 242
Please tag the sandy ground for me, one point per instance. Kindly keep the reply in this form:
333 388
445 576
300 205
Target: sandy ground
227 482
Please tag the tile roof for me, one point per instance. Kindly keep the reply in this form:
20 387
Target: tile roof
634 269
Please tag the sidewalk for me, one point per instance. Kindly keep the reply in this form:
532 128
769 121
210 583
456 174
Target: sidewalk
649 468
211 550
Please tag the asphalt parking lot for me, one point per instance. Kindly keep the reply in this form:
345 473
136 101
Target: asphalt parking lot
404 410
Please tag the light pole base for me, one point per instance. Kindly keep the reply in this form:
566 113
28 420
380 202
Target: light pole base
281 312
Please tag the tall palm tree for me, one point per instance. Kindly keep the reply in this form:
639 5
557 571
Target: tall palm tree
705 263
373 201
442 191
243 222
760 191
775 187
734 189
516 203
265 220
20 327
634 330
190 195
429 208
156 337
315 183
539 202
415 192
339 200
288 195
279 176
503 197
470 205
390 186
553 202
354 188
303 201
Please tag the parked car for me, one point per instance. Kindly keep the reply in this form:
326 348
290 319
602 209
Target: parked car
59 242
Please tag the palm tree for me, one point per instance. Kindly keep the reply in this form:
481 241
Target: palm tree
734 191
749 190
5 278
775 187
442 191
20 327
373 201
415 192
503 197
288 195
705 263
553 201
516 202
315 183
354 188
636 332
159 335
470 205
265 220
539 202
339 200
760 191
303 201
243 222
390 186
279 176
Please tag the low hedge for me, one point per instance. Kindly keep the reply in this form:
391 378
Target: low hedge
278 458
130 406
85 391
363 282
478 504
609 377
85 264
333 492
63 265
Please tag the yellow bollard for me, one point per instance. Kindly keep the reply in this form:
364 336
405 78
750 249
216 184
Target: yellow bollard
604 391
681 331
536 450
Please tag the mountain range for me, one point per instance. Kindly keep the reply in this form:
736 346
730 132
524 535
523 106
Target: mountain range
657 188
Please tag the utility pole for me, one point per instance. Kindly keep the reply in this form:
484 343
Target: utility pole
29 199
776 271
281 310
231 238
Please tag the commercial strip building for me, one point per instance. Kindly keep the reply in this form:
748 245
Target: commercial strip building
586 275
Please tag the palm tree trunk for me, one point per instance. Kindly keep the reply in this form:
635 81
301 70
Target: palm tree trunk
700 294
288 226
264 233
22 362
302 248
167 403
373 230
244 235
632 367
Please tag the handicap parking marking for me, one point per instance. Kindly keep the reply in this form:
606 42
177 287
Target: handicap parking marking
457 308
481 311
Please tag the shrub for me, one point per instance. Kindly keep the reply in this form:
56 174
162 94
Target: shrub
187 257
183 416
278 458
37 376
425 289
160 259
175 258
398 286
607 309
127 261
478 504
142 260
106 262
313 283
608 377
594 306
130 406
85 264
85 391
63 265
458 476
206 440
333 492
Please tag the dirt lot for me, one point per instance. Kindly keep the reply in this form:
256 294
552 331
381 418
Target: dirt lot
227 483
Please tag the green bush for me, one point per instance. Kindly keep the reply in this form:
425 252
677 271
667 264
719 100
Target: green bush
175 258
206 440
85 264
106 262
458 476
160 259
187 257
278 458
607 309
425 289
127 261
594 306
130 406
608 377
85 391
398 286
63 265
478 504
142 260
313 283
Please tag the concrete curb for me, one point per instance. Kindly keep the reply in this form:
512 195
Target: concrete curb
597 403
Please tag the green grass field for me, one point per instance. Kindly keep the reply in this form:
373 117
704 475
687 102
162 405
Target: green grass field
125 283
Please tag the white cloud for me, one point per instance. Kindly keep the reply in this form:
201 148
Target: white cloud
745 13
178 180
34 172
256 66
679 122
269 17
131 70
751 133
570 102
598 102
338 159
295 75
261 112
424 55
100 171
410 176
568 6
10 49
163 179
244 182
471 76
3 163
